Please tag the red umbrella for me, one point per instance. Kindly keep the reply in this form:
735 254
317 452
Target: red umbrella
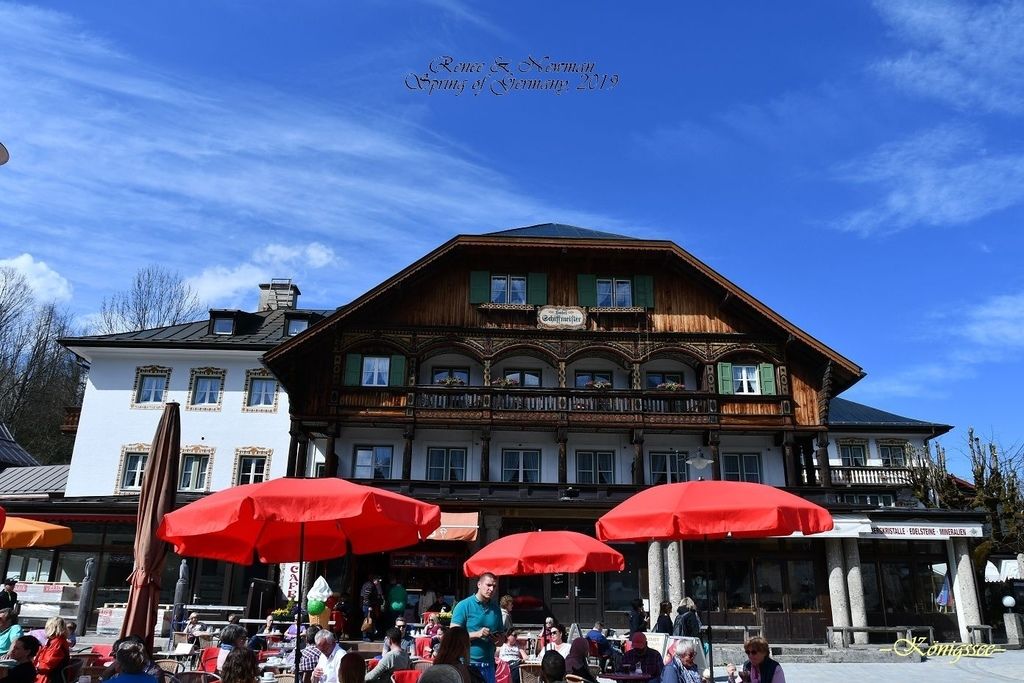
544 552
695 510
297 520
159 487
711 509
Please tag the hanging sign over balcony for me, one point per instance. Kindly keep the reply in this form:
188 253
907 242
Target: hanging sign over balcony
561 318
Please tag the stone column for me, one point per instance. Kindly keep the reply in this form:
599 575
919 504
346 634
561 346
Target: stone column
408 434
655 576
485 454
855 585
673 556
837 584
965 591
492 527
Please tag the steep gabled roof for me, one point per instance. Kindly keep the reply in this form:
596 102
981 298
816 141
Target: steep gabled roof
621 244
254 331
11 453
558 230
845 413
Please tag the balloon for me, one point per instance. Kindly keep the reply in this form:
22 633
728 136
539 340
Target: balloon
315 607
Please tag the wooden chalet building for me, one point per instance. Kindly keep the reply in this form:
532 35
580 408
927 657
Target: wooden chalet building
539 376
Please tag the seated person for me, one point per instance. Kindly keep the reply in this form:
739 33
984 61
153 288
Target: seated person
131 664
192 627
552 667
149 667
577 662
309 655
433 629
651 664
231 636
512 654
9 631
395 659
605 651
23 651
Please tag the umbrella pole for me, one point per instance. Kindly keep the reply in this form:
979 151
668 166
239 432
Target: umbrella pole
298 603
707 608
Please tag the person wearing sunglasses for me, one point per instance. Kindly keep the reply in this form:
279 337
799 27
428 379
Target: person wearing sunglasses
555 641
759 667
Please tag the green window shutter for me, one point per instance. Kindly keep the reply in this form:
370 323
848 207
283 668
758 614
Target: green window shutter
353 369
537 288
643 291
586 290
766 373
396 372
725 378
479 287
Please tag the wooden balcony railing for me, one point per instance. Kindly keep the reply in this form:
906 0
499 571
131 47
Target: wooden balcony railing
570 404
872 476
71 416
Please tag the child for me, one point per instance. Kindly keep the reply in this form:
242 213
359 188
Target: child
72 633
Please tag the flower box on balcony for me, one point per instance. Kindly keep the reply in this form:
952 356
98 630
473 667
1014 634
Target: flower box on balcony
505 383
598 385
451 382
671 386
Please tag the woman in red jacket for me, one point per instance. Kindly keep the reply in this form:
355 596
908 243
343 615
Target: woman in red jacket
55 654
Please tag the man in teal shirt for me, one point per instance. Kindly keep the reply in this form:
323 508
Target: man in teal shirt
481 617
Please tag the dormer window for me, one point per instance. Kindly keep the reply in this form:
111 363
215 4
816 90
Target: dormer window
223 325
296 325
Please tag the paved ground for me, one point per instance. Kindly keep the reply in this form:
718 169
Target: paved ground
1003 666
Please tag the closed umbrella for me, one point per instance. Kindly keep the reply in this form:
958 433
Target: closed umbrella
705 510
19 532
159 487
544 552
297 520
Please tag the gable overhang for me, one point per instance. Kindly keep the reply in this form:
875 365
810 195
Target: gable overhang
848 372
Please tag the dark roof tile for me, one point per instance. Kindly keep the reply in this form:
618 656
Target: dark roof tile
848 414
559 230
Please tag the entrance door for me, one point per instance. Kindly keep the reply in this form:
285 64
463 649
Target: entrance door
574 598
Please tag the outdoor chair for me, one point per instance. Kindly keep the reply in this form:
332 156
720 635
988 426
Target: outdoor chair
422 665
171 666
72 670
208 659
285 678
405 676
529 672
105 653
197 677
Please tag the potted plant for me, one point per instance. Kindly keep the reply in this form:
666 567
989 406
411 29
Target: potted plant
452 382
599 384
444 618
505 382
284 613
671 386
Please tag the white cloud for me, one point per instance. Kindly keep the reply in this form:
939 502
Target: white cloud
969 55
941 176
229 287
115 163
47 284
314 255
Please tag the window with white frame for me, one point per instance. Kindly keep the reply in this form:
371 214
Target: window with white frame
595 467
252 469
372 462
745 380
508 289
151 385
853 454
132 470
742 467
520 466
296 325
669 467
376 370
262 392
206 389
194 471
893 454
614 292
446 464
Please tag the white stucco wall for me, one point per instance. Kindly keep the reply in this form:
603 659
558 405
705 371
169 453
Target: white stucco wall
109 422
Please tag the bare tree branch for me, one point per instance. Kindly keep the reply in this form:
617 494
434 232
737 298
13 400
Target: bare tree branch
156 298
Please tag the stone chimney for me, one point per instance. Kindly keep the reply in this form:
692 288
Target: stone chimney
278 295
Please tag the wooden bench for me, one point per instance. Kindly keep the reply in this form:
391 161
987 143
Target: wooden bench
979 633
898 631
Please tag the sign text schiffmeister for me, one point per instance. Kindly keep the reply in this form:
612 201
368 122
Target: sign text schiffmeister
561 318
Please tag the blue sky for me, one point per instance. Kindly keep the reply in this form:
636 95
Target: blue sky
858 167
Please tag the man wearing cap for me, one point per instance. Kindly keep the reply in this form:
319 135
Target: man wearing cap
649 661
8 598
481 617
